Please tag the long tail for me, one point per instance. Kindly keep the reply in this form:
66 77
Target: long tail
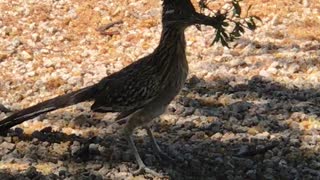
81 95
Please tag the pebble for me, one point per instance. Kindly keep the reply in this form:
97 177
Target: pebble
62 172
265 74
293 68
75 147
16 42
7 147
228 137
35 37
31 172
3 56
262 136
94 166
75 80
25 56
236 62
93 148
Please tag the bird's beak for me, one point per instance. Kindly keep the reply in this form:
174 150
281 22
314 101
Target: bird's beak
198 27
200 19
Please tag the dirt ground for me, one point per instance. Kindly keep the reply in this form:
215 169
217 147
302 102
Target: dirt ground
248 112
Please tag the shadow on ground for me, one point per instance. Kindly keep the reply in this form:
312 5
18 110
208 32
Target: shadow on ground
255 135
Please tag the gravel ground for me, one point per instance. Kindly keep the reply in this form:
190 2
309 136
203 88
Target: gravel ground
249 112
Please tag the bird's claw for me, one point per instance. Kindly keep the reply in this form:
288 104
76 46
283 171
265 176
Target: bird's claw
144 169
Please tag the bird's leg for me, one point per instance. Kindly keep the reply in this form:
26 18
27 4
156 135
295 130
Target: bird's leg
142 167
155 145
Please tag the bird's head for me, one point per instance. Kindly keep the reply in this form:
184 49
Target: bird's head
181 13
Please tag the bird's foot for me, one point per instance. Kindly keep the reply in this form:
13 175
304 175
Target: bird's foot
144 169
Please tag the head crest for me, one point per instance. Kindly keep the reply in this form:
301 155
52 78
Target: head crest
171 6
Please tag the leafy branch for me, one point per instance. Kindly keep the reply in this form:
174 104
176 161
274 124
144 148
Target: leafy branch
230 17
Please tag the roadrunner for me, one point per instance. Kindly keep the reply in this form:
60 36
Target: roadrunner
140 91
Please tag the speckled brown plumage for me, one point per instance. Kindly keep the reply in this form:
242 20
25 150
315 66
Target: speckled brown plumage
140 91
142 81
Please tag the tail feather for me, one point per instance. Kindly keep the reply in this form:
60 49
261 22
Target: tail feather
84 94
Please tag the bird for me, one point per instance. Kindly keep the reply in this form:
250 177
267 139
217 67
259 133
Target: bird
141 91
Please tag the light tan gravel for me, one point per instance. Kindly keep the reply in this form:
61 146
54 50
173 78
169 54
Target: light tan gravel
264 89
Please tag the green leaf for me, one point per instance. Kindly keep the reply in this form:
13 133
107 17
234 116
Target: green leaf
241 29
224 34
237 29
251 25
222 22
216 39
225 24
235 34
224 43
250 6
237 8
257 18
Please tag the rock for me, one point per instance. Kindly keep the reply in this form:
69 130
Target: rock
269 163
268 175
74 80
75 147
293 68
265 74
243 163
24 55
94 166
6 147
240 107
228 137
35 37
262 136
122 175
237 62
84 54
244 149
305 3
294 142
16 42
198 135
253 131
105 169
216 136
193 81
249 49
62 171
272 70
188 111
3 55
48 63
123 168
275 20
31 173
252 174
87 175
94 148
168 118
283 163
80 121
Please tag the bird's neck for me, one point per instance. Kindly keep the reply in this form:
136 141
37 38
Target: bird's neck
170 56
172 36
171 48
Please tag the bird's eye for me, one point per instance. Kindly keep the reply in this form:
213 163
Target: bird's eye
169 11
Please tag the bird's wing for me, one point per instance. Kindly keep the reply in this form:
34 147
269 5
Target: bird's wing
127 91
